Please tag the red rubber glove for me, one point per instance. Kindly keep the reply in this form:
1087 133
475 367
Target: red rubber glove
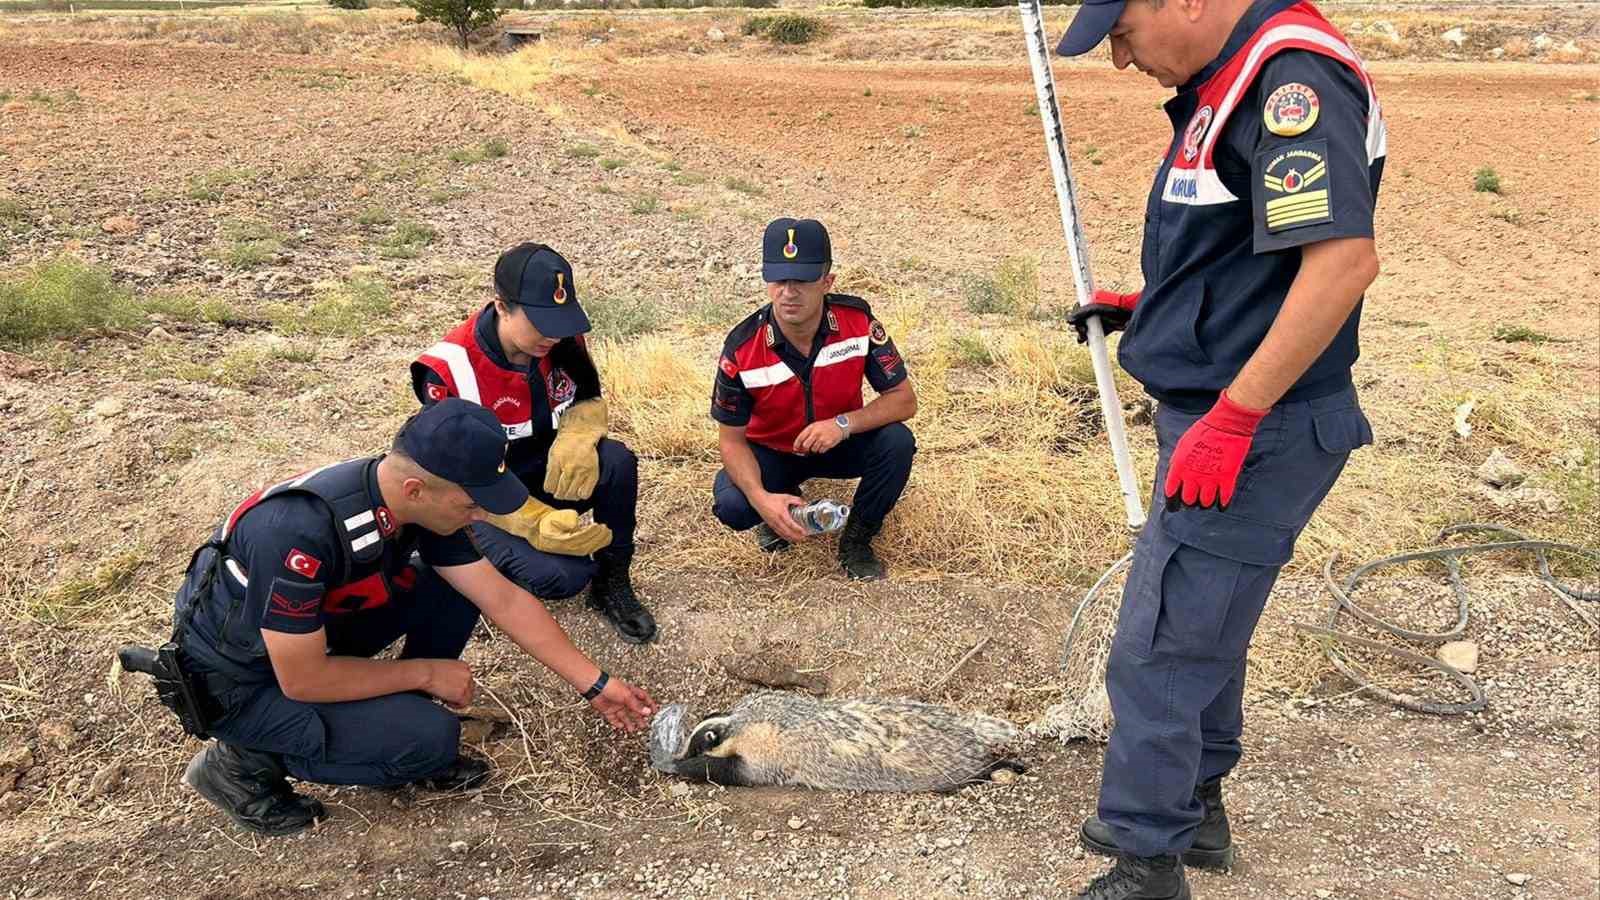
1114 311
1205 465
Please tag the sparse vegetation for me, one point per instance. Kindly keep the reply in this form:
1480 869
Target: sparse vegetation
611 163
646 204
407 239
619 315
688 179
14 216
1520 334
972 350
743 186
373 215
211 186
1013 289
75 597
248 366
583 151
494 148
358 305
787 28
62 297
1486 181
247 243
1509 216
349 4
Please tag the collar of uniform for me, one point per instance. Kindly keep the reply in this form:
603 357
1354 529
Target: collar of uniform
488 337
825 326
1259 12
380 510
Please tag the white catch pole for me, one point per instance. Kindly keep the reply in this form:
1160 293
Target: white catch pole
1077 248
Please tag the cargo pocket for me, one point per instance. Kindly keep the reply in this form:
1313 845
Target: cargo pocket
1216 582
1141 597
1340 431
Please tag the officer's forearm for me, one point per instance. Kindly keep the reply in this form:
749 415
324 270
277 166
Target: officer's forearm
740 461
1333 276
897 404
338 679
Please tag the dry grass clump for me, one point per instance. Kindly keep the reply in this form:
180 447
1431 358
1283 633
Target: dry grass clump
518 74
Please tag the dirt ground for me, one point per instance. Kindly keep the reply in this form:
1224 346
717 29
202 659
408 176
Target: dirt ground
120 451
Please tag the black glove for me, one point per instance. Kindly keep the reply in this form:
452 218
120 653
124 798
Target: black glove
1114 311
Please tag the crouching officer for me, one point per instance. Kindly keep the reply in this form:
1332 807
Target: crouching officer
523 356
282 609
787 401
1258 246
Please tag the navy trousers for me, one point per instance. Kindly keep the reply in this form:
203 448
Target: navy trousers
880 458
553 576
386 740
1198 584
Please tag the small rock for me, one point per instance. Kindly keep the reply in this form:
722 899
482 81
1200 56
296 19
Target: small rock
716 35
796 823
1456 36
1543 42
105 409
1004 776
1463 427
458 846
59 733
119 225
1500 472
108 779
158 334
15 761
1463 655
1497 52
1386 29
1519 878
758 836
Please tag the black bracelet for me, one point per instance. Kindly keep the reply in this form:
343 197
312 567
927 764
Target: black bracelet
598 686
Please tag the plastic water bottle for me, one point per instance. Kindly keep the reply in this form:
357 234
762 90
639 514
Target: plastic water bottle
821 517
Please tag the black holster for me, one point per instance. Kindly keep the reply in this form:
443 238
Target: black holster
178 688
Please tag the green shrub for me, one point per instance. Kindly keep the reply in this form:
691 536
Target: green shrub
620 315
646 204
374 215
735 183
1486 181
462 16
1013 289
62 297
407 239
348 4
786 28
354 307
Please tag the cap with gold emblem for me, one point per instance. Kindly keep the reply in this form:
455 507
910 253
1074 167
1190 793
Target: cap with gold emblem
795 250
539 280
464 444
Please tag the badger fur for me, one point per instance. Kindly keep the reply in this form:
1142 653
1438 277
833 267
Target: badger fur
780 738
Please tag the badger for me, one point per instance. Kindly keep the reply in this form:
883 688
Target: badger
783 738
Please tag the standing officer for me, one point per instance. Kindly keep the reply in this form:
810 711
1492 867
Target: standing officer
787 401
1258 245
306 579
523 356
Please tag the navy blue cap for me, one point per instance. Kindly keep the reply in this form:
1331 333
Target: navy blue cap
465 444
795 250
539 280
1090 26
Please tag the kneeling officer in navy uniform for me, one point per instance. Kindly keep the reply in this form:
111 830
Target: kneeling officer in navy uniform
282 609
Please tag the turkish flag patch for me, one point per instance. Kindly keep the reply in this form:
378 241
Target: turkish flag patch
302 563
385 520
436 392
728 368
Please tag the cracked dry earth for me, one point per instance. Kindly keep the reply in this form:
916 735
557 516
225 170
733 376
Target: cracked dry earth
1338 797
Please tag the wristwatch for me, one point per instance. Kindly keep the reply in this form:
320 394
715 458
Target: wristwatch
843 421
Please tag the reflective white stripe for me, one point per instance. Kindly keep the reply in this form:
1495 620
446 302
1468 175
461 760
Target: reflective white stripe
455 357
838 353
366 540
766 376
236 572
1195 187
358 520
520 430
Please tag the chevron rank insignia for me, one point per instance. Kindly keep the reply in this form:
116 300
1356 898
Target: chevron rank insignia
1295 186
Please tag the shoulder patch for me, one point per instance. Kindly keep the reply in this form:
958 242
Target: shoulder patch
1296 186
1291 109
877 333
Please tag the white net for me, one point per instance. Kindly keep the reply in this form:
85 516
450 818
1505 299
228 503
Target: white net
1084 712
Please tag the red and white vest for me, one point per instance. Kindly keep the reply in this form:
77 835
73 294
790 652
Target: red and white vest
785 403
471 375
1193 179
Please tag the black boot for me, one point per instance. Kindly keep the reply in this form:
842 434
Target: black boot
855 550
465 773
768 540
612 594
1141 878
249 786
1213 841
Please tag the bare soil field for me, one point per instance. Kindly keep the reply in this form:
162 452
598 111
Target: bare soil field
297 204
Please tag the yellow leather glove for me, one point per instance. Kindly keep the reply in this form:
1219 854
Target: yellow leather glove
553 530
573 467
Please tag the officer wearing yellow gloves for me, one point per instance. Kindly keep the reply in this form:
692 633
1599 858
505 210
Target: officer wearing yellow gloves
523 356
